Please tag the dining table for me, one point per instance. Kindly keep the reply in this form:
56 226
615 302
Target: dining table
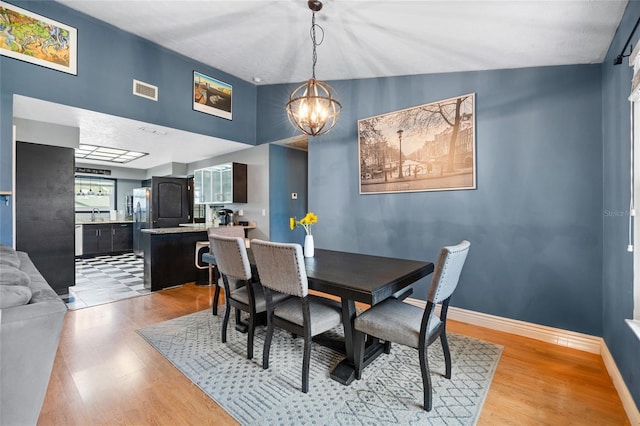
355 277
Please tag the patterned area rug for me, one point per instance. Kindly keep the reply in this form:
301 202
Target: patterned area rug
390 391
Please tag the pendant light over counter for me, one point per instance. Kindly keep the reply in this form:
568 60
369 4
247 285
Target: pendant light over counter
313 108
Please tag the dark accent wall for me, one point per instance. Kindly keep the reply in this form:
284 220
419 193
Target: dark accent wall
287 174
108 61
535 221
617 283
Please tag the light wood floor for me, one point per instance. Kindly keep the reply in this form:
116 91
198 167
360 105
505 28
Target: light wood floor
105 374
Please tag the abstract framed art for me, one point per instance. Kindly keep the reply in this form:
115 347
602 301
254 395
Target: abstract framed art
212 96
430 147
32 38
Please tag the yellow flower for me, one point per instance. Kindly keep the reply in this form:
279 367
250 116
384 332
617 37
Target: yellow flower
306 222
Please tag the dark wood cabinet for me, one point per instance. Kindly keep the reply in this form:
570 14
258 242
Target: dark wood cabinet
122 237
96 239
44 203
104 238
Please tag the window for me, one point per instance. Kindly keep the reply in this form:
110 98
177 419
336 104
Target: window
95 193
634 221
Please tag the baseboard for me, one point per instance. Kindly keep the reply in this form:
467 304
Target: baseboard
623 391
571 339
583 342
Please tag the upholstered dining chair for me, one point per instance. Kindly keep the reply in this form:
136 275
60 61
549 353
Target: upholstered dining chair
244 292
399 322
226 231
282 270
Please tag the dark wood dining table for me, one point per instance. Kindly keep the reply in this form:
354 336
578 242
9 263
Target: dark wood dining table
355 278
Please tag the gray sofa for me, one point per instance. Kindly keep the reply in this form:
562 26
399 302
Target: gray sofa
31 319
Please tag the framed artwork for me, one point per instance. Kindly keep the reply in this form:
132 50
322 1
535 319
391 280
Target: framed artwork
212 96
429 147
36 39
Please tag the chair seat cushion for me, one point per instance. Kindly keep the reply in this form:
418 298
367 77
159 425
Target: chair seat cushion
242 295
394 321
325 314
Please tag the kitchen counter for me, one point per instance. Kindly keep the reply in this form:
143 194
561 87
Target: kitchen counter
176 230
100 222
206 225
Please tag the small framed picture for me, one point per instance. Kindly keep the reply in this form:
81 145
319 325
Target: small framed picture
36 39
212 96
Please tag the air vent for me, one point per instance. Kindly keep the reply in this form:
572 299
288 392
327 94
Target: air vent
145 90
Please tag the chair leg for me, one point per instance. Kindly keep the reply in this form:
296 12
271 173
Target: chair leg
216 294
426 378
225 321
447 354
387 347
250 332
267 344
305 364
358 351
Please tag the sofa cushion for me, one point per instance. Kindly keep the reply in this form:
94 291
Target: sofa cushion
13 276
8 256
14 295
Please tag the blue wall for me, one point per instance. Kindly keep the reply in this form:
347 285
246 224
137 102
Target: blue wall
287 174
108 61
535 221
617 284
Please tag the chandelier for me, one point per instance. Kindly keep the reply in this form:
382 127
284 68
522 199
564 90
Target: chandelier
312 107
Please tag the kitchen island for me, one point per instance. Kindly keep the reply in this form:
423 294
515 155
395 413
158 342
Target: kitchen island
169 256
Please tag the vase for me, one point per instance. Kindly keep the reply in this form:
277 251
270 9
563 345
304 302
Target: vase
308 246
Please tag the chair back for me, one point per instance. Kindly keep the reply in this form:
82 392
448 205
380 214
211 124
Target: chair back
447 271
231 256
281 267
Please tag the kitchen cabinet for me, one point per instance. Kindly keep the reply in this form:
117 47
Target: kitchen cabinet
96 239
122 237
104 238
221 184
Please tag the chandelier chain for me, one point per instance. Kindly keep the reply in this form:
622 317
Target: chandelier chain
315 42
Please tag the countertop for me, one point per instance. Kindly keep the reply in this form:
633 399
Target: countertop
101 222
207 225
176 230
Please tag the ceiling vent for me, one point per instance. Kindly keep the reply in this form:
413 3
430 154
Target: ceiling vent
145 90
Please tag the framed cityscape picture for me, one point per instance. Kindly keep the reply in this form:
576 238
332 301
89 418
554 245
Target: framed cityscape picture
212 96
430 147
36 39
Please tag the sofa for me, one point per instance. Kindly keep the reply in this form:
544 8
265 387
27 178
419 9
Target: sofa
31 319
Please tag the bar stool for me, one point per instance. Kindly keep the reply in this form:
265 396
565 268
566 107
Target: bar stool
201 248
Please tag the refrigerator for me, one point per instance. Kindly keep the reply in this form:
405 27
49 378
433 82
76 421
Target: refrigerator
142 217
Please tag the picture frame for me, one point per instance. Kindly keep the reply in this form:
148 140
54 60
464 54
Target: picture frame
212 96
36 39
434 144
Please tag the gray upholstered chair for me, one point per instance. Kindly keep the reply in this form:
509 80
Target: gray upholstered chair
226 231
244 292
399 322
281 269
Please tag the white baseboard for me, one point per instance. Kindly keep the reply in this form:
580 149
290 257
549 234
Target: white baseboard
571 339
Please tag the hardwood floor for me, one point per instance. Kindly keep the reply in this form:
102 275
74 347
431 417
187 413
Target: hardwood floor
106 374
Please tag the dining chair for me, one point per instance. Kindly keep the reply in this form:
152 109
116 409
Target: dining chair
396 321
227 231
242 291
282 270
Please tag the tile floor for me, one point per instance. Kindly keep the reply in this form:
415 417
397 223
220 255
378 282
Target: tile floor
105 279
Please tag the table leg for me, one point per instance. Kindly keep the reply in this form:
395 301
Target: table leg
345 372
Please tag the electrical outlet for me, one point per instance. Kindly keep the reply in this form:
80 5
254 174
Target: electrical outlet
294 195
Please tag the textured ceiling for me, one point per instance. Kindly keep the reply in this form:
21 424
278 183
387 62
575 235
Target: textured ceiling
270 40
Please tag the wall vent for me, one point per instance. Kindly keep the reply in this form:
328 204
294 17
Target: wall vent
145 90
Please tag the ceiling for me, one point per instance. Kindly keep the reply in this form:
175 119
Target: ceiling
269 41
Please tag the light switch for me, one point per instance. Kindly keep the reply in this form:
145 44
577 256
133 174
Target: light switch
294 195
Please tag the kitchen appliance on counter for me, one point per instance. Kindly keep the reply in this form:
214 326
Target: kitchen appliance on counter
226 217
141 217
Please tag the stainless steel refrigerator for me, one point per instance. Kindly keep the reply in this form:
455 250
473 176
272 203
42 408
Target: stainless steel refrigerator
142 217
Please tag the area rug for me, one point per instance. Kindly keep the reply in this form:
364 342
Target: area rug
390 391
